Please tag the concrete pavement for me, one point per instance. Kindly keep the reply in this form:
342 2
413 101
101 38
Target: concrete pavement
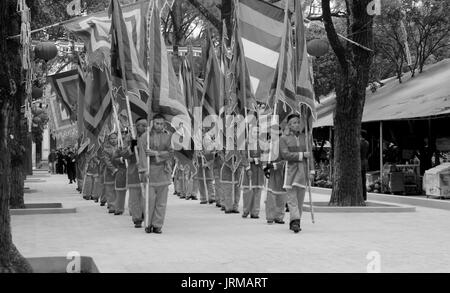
200 238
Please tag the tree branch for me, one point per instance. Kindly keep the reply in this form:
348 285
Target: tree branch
333 38
208 15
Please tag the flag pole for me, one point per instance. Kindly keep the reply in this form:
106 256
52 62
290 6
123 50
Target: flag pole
124 83
298 9
244 85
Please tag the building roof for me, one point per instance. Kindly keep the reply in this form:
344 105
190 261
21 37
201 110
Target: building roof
427 95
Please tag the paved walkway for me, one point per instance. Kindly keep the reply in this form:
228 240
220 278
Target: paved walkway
199 238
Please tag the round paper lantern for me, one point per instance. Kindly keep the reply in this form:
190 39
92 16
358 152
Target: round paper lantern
45 51
38 111
36 92
317 47
37 120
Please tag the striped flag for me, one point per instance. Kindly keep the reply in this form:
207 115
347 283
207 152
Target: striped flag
165 90
304 93
240 80
261 28
212 102
283 90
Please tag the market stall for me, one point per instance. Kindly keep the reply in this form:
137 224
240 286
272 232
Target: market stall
418 105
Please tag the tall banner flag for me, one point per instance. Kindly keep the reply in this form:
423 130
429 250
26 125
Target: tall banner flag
240 78
68 86
304 92
164 88
261 28
129 59
212 102
191 87
94 31
97 104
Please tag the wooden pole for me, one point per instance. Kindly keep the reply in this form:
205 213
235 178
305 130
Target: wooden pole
381 155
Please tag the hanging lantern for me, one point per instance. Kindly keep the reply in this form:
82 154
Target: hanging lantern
317 47
37 120
36 93
46 51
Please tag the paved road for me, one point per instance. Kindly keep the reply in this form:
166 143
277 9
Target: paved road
199 238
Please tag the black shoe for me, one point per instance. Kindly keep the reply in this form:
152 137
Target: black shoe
254 217
193 197
269 222
203 202
137 224
148 229
182 196
211 201
157 230
102 204
218 205
295 226
244 215
235 211
222 208
118 213
279 221
96 200
228 212
111 211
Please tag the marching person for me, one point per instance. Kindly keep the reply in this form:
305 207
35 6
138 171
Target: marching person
205 175
135 199
109 148
71 167
52 162
293 151
178 179
120 180
99 179
276 198
191 184
91 173
253 178
160 153
219 189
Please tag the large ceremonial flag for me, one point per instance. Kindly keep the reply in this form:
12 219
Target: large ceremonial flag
304 93
240 81
164 87
94 30
68 86
191 87
129 59
261 28
97 104
289 91
212 101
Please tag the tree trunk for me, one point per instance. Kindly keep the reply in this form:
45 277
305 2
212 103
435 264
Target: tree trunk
354 64
10 79
16 196
347 183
